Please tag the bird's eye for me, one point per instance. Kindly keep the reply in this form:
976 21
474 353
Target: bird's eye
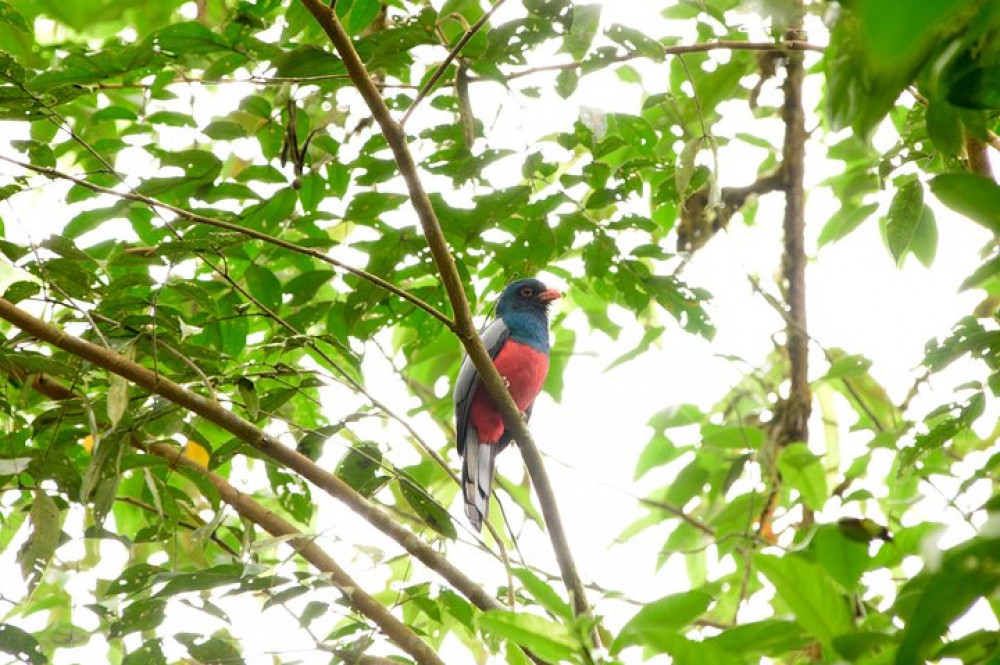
526 292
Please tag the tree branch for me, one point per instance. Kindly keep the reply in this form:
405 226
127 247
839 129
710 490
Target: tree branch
247 432
699 223
799 405
465 327
397 631
436 76
978 156
235 228
724 45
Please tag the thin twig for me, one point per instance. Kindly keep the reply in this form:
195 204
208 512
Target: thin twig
402 635
452 54
516 74
190 526
790 322
236 228
724 45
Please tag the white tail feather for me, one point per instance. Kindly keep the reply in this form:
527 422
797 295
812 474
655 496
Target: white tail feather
477 478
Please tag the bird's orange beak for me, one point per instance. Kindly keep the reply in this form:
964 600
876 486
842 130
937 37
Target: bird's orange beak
548 295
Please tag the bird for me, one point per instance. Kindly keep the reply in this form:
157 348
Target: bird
518 341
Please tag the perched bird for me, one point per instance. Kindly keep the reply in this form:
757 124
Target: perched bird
518 342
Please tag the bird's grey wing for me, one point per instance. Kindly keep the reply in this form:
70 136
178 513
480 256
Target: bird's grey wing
468 379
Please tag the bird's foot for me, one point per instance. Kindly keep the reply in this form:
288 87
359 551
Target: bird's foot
524 415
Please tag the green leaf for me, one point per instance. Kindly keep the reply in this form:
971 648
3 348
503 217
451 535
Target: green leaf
7 191
945 128
149 653
947 595
668 614
805 587
210 578
982 274
543 593
676 416
876 50
635 41
41 544
12 17
224 130
187 38
215 649
559 357
659 451
38 153
770 638
135 577
360 469
117 398
363 12
977 89
171 119
566 82
114 113
847 366
21 645
307 61
427 508
273 211
855 646
684 303
586 19
688 483
304 286
312 190
977 647
547 639
803 471
19 291
367 206
734 438
925 237
264 286
844 559
140 615
900 224
974 196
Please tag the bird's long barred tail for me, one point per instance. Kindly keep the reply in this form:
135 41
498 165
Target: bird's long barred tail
477 478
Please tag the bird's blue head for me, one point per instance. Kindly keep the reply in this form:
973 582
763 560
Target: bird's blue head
524 307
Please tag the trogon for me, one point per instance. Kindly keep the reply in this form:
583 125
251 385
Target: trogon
518 342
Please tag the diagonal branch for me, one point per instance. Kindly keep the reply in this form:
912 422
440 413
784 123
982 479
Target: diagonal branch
465 327
252 435
397 631
189 216
426 88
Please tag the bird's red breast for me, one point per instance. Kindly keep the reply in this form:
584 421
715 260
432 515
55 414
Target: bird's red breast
525 369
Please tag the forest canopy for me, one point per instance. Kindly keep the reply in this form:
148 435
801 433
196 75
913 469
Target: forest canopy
247 244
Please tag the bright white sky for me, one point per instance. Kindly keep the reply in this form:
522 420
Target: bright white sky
858 300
